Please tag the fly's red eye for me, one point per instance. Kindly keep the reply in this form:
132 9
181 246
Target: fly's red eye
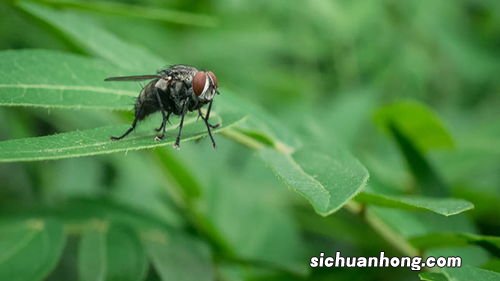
200 83
214 79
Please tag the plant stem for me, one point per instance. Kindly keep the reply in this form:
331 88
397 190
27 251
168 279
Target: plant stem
391 236
238 136
242 138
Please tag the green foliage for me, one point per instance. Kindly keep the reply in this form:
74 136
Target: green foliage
172 254
470 273
490 243
327 180
416 122
74 81
132 11
431 276
86 35
96 141
445 206
110 253
30 248
380 116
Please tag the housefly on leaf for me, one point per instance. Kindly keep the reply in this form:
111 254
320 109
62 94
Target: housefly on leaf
177 90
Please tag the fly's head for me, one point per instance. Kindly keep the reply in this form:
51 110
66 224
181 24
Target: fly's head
205 85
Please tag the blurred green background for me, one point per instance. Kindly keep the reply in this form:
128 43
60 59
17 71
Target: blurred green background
323 69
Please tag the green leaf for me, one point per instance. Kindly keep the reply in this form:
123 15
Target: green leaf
432 276
96 40
179 174
52 79
417 122
432 240
411 224
261 126
327 181
442 206
230 272
429 181
416 129
110 254
82 210
96 141
178 257
492 264
92 255
245 198
124 55
30 249
469 273
137 11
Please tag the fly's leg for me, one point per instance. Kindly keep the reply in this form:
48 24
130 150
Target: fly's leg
165 116
183 113
134 123
205 118
209 127
164 121
132 127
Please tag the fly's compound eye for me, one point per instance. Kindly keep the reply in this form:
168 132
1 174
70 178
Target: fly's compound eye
200 83
213 79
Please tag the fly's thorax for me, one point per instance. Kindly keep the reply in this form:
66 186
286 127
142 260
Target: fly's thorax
163 83
179 72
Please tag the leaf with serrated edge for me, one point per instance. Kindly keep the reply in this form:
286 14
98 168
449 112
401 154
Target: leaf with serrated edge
45 78
96 141
327 181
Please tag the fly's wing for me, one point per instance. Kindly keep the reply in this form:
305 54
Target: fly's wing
133 78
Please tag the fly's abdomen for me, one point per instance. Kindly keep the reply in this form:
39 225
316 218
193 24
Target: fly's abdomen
146 102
